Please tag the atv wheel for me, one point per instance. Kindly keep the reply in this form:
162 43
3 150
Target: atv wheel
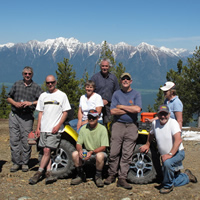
62 163
141 170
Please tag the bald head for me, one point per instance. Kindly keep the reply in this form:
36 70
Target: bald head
51 83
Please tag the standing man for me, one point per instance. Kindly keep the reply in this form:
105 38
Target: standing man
94 137
168 136
106 84
23 98
52 106
126 104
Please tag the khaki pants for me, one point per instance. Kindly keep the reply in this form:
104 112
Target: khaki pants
123 141
20 126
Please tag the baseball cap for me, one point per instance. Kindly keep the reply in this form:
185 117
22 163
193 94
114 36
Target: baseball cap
167 86
163 108
93 112
126 74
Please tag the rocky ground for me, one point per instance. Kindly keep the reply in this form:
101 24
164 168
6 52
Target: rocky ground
15 186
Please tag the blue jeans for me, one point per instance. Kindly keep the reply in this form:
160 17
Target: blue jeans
172 165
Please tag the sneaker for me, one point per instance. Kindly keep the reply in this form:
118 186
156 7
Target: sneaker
123 183
33 180
191 176
25 168
99 181
109 180
166 190
14 168
50 178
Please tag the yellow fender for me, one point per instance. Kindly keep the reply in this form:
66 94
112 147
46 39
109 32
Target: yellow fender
68 129
143 132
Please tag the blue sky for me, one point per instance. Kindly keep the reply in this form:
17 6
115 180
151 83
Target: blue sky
169 23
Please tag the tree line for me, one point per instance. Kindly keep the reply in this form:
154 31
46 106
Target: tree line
186 78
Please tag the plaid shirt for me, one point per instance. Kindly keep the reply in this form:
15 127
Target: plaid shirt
20 92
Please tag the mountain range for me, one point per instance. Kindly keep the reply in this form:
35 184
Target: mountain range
146 63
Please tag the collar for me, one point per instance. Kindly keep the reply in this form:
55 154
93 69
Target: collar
173 99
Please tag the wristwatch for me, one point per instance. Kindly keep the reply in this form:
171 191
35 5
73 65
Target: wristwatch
170 154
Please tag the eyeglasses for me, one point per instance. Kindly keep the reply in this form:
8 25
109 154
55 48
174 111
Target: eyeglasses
52 82
126 77
27 73
91 117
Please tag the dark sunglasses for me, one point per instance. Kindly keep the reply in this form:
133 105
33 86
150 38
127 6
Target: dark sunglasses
27 73
52 82
126 77
163 113
91 117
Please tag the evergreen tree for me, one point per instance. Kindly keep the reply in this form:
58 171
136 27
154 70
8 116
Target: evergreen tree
187 80
44 86
119 70
107 53
82 82
5 108
66 82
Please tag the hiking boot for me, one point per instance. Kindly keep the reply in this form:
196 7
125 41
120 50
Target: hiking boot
99 181
33 180
50 178
191 176
123 183
25 168
166 190
76 181
109 180
79 179
14 168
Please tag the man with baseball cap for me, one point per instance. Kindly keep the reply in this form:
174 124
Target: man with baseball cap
94 137
168 136
125 106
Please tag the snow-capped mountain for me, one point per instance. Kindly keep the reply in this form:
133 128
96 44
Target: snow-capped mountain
147 64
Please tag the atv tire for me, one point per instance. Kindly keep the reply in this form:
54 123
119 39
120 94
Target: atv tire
141 169
62 163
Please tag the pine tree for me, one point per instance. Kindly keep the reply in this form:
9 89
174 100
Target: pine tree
66 82
187 80
83 81
107 53
5 108
119 70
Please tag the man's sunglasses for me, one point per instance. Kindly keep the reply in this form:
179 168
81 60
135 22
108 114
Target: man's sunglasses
126 77
91 117
27 73
52 82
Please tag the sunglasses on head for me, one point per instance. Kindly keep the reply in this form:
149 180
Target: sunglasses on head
91 117
27 73
52 82
126 77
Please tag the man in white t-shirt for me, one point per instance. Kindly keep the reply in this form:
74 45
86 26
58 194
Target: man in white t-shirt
52 106
168 136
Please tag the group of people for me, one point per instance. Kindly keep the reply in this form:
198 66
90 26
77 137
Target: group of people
104 101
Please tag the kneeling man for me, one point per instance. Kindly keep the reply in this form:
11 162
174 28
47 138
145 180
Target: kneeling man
94 137
168 136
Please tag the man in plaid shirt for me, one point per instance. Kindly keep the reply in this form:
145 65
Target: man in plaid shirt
23 98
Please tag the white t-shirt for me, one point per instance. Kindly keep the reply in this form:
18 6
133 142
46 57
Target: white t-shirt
86 104
52 105
164 135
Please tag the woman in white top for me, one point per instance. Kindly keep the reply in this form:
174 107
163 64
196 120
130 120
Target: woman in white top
90 100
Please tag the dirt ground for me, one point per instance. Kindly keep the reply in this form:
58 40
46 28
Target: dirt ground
15 185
